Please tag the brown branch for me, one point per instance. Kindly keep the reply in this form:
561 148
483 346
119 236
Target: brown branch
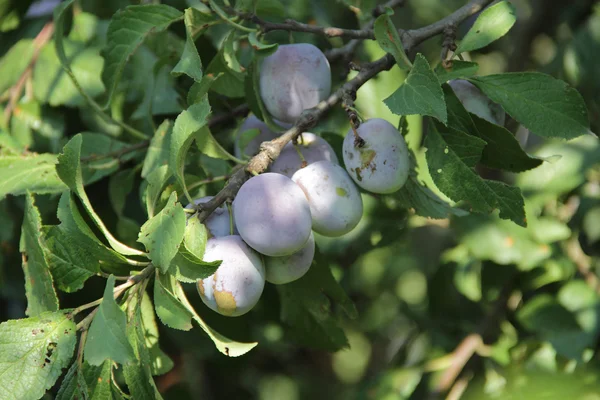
269 151
15 92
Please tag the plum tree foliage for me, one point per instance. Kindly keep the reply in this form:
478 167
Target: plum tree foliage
310 199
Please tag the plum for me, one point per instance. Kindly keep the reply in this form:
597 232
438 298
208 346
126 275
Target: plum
252 147
286 269
272 215
476 102
313 149
217 223
382 164
294 78
335 203
236 286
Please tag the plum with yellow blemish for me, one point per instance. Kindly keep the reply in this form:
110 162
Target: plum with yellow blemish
335 203
236 286
312 147
381 164
294 78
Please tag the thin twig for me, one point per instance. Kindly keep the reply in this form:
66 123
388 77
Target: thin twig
269 151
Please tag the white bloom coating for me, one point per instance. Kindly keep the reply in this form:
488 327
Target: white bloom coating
272 215
476 102
217 223
294 78
335 203
313 148
286 269
382 164
236 286
252 147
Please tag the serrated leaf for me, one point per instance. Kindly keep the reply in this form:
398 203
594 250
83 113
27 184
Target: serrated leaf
96 144
158 151
457 69
493 23
451 156
168 308
230 82
310 306
98 380
420 94
187 124
163 233
263 49
33 353
545 105
225 345
69 170
502 149
200 89
73 386
207 144
39 287
160 362
33 172
188 266
52 85
156 181
388 39
138 374
106 337
414 194
128 29
190 63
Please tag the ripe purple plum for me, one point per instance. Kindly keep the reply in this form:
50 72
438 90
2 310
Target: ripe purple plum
272 215
313 149
382 164
476 102
217 223
335 203
252 147
286 269
236 286
294 78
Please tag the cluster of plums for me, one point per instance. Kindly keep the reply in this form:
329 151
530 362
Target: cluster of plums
274 214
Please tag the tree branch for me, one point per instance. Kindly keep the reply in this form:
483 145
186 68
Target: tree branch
269 151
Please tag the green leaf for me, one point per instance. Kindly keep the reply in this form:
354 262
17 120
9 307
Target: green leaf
52 85
73 386
158 152
545 105
207 144
451 156
160 362
85 27
310 305
414 194
225 345
128 29
388 39
106 337
263 49
96 144
138 374
187 124
33 353
225 63
190 63
187 266
163 233
200 89
168 308
458 69
39 287
99 381
420 94
69 170
502 150
14 63
120 186
493 23
32 172
156 181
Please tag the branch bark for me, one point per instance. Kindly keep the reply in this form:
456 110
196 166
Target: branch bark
269 151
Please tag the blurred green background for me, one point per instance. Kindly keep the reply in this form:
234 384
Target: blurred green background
420 286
